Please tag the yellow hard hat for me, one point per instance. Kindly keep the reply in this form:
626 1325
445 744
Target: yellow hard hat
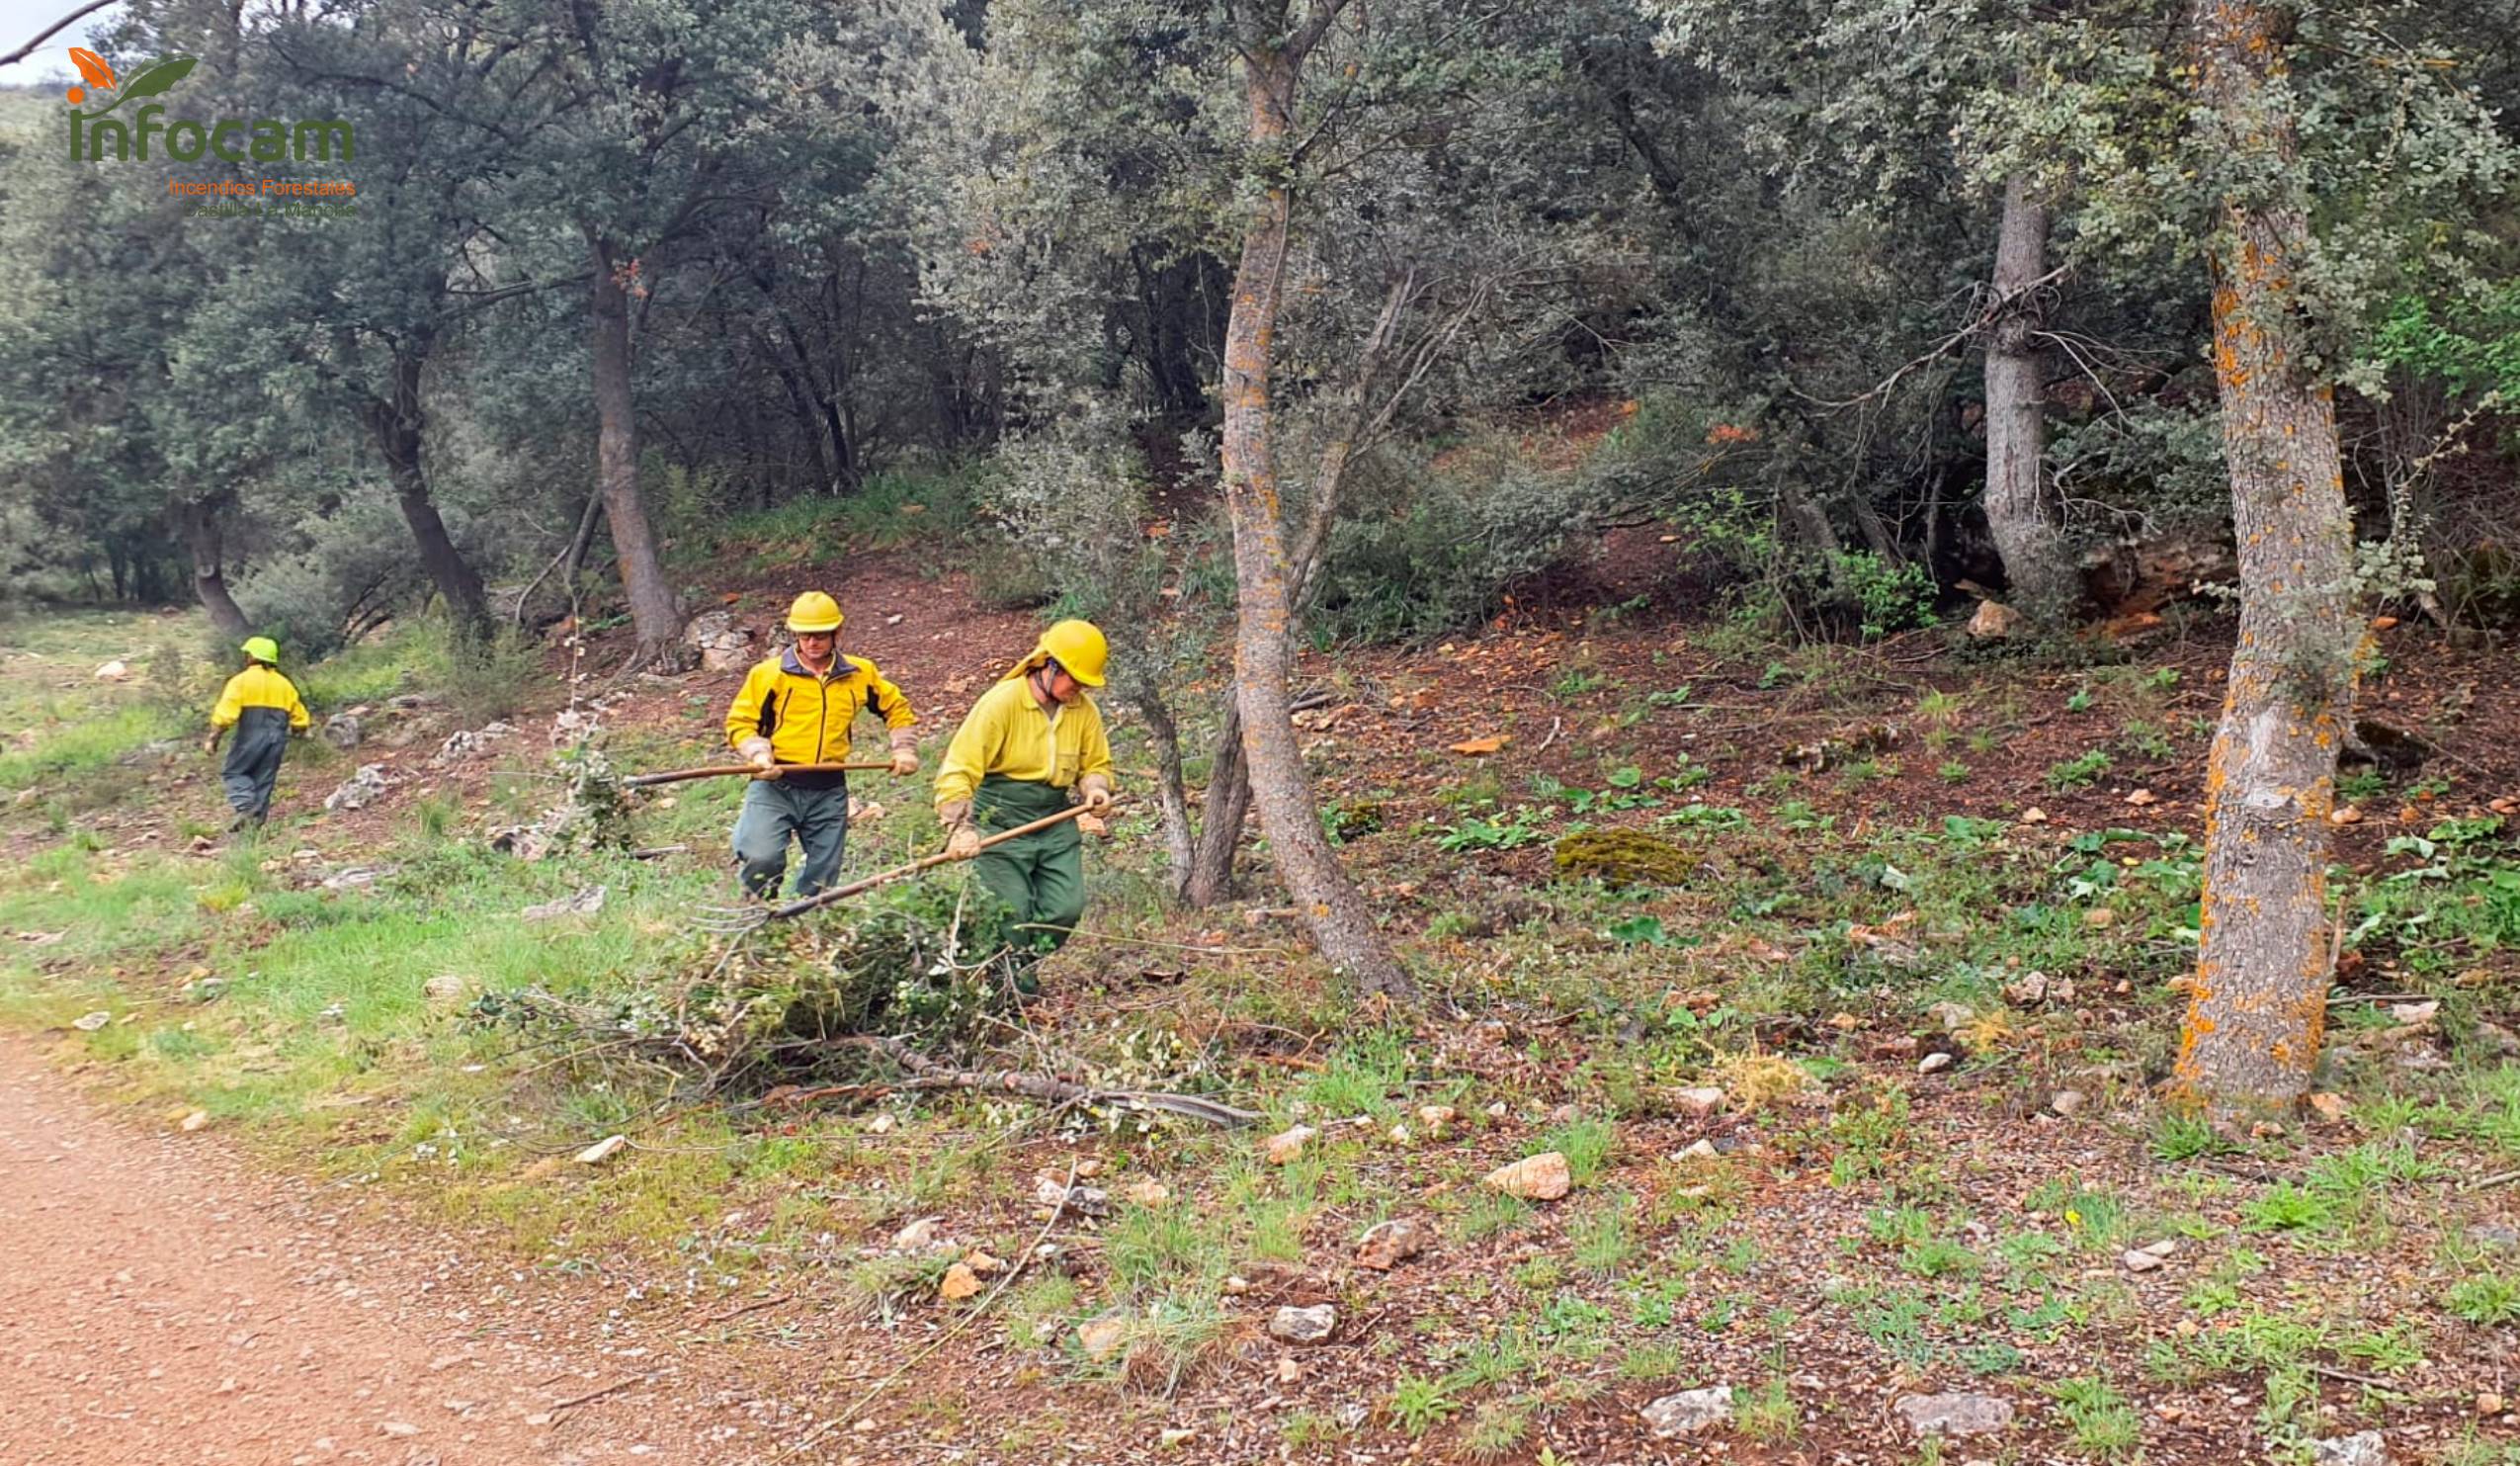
814 612
1079 647
262 649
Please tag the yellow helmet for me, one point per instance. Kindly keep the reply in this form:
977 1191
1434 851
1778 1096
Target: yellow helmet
814 612
262 649
1077 646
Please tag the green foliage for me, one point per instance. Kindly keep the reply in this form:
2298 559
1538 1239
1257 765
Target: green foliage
1623 857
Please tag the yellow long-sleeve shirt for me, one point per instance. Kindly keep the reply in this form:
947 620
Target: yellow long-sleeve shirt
1007 733
259 686
806 718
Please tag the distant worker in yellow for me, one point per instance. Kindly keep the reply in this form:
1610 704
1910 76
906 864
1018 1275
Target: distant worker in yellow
264 707
797 708
1031 746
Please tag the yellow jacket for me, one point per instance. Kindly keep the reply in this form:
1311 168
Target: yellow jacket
1007 733
259 687
806 718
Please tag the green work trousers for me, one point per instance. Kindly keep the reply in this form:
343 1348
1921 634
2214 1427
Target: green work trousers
776 809
1039 878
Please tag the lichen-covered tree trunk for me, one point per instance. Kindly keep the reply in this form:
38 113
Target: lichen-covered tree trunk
654 619
202 536
396 423
1332 908
2259 1001
2017 416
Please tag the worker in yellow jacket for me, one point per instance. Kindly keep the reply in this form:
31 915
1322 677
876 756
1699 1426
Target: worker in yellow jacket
264 707
797 708
1029 746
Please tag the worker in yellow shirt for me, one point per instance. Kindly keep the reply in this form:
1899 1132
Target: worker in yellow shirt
797 708
264 707
1028 747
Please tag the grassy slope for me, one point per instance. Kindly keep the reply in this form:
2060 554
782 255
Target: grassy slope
1856 1223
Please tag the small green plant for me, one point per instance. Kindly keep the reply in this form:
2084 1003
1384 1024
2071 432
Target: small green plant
1419 1404
1575 683
1497 1428
2361 785
2487 1299
2102 1422
2078 773
2080 702
2287 1207
1500 834
1953 771
2177 1137
1586 1145
1768 1414
1674 698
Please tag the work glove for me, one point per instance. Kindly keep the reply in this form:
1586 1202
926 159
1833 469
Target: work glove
756 751
964 841
905 753
1095 791
210 743
1092 827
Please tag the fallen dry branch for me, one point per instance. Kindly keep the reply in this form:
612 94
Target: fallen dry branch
927 1073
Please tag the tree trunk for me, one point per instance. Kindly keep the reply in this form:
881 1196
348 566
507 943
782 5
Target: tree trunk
654 620
396 423
1172 801
2017 417
210 573
1332 908
1209 879
2259 1001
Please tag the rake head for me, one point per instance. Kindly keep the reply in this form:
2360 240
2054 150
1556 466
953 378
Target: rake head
730 920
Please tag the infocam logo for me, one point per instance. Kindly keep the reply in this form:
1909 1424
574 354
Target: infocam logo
95 135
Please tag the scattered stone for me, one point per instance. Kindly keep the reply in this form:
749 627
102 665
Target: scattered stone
2489 1404
921 1236
603 1149
1304 1325
1951 1017
1101 1338
2329 1107
2363 1448
2137 1259
1692 1411
1434 1118
91 1022
1286 1144
882 1124
398 1429
1147 1193
446 987
2141 797
342 731
464 743
113 671
1497 1111
358 789
194 1121
1400 1135
1237 1285
1700 1103
2034 815
358 876
1700 1148
2345 814
2497 1235
1289 1370
1956 1415
2413 1014
1176 1437
2100 919
723 645
2066 1101
1386 1245
585 902
1995 622
1084 1201
959 1282
1540 1177
2031 989
2162 1248
1934 1063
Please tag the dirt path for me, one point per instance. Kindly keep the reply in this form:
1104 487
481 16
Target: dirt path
161 1304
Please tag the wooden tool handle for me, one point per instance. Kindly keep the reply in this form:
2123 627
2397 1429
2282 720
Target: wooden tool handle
729 770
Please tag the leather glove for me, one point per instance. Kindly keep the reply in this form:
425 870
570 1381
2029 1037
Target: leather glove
1095 791
210 743
1092 827
905 762
756 751
964 841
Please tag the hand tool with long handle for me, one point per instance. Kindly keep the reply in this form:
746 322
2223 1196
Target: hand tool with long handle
729 770
745 918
